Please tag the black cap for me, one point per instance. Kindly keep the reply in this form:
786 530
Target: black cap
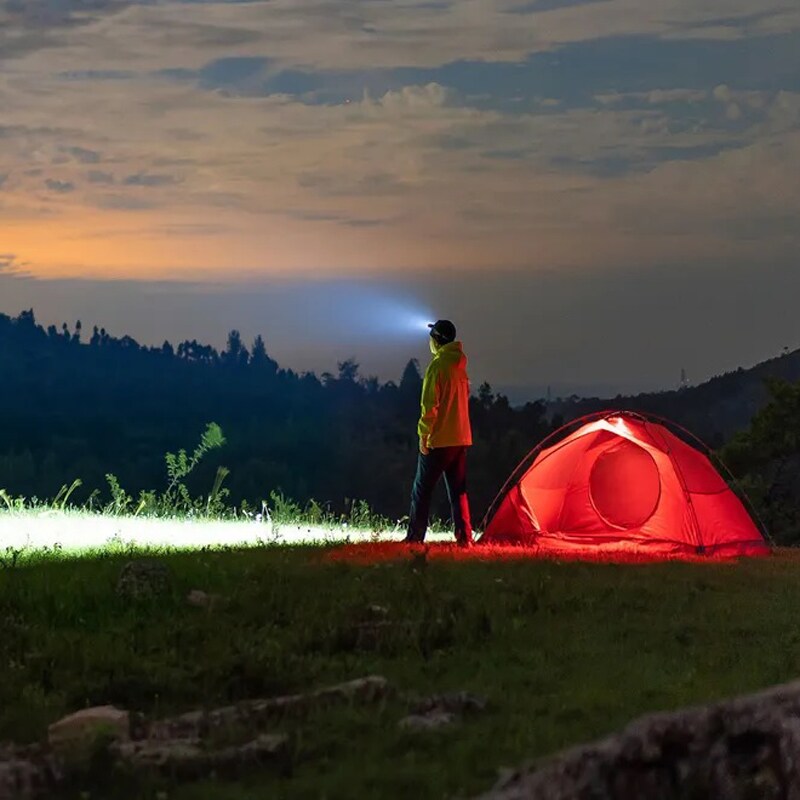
443 331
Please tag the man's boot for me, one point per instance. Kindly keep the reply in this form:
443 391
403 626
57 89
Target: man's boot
464 523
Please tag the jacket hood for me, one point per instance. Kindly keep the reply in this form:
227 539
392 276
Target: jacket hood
453 355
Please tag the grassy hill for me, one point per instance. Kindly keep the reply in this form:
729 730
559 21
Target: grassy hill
564 652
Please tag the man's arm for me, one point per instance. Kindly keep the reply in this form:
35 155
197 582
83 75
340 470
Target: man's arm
429 406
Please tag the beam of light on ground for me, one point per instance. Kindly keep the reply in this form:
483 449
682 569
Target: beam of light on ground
76 532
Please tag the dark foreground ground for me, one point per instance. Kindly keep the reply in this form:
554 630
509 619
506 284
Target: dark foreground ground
564 652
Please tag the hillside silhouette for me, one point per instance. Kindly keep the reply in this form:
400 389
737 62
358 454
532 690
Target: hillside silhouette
714 411
81 406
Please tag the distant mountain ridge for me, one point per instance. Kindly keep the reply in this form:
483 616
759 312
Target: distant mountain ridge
713 410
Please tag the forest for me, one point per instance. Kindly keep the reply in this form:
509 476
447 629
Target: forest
83 405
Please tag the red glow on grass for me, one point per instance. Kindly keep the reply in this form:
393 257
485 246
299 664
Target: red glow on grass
378 552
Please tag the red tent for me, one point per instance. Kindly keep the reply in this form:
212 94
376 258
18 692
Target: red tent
621 482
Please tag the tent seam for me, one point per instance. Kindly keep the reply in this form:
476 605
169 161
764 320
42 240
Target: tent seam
682 478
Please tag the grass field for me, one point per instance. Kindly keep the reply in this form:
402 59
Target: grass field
563 651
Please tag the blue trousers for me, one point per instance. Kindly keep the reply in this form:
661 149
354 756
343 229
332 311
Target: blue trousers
450 462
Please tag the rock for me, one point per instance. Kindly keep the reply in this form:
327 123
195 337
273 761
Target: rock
180 747
427 722
200 599
367 690
27 772
143 579
440 710
743 749
160 756
189 759
451 702
255 714
77 736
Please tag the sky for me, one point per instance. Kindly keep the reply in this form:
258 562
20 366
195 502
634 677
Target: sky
599 193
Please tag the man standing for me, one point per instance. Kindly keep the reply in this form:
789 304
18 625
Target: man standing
444 435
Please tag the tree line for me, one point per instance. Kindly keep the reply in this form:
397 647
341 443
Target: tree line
82 409
75 409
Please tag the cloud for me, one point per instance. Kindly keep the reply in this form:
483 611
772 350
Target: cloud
57 13
538 6
192 229
97 75
412 176
328 35
149 179
32 26
83 155
98 176
60 187
118 202
12 267
339 219
316 135
412 100
576 74
659 97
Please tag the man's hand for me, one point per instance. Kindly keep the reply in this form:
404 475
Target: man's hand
423 447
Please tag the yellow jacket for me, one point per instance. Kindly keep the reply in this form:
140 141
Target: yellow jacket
444 418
